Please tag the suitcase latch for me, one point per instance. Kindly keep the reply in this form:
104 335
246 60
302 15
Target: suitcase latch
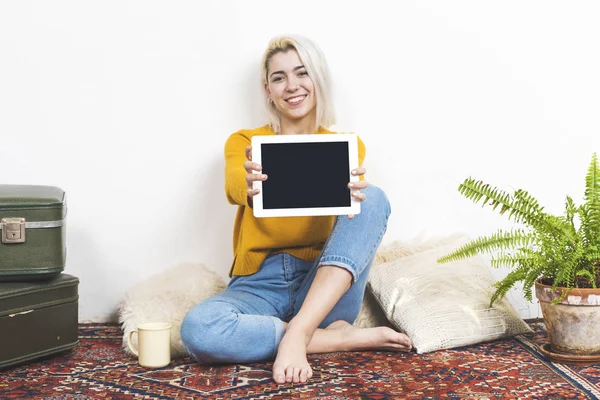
13 230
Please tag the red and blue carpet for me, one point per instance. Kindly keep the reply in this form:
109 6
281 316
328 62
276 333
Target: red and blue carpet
512 368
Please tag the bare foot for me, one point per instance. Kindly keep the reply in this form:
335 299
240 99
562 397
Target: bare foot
378 338
291 363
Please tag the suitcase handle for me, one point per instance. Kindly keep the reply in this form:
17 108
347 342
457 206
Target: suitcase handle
133 350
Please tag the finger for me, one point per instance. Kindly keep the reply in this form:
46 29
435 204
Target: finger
249 152
359 171
255 177
358 185
350 216
358 195
252 192
296 377
249 166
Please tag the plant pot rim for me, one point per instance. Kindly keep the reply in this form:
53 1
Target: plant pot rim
574 297
582 290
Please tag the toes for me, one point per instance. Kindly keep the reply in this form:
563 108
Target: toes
278 374
401 347
405 340
289 372
304 375
395 347
295 374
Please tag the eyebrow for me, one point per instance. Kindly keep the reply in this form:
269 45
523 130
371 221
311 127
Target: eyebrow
281 72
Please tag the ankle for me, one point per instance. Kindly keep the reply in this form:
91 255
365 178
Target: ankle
300 329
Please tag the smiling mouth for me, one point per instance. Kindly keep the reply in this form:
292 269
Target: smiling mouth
296 100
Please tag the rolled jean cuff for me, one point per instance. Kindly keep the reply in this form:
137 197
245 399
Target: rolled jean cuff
342 262
279 331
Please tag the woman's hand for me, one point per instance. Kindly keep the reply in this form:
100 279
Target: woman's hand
250 166
356 186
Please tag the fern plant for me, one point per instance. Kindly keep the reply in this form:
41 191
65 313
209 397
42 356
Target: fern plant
562 251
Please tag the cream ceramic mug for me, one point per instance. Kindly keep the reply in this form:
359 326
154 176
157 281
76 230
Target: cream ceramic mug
154 344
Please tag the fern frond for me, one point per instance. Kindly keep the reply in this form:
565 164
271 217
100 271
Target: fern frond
592 255
498 241
503 286
570 211
522 207
534 271
477 190
511 260
592 203
566 274
526 205
528 270
541 221
588 274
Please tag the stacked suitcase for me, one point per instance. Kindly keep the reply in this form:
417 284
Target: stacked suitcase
38 303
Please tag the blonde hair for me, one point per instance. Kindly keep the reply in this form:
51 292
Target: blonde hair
314 61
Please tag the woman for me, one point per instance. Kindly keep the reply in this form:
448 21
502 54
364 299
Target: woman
297 282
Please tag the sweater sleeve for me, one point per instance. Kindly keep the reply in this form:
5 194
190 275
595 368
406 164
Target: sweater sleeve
362 152
235 174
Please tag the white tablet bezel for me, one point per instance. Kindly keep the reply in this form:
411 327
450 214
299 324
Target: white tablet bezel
352 141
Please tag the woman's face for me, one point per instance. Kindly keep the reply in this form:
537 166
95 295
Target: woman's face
290 87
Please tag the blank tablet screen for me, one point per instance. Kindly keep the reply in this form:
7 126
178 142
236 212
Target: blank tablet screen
305 175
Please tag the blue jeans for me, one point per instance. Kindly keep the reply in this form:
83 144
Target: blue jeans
244 323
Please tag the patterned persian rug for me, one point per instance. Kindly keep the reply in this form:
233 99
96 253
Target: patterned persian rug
512 368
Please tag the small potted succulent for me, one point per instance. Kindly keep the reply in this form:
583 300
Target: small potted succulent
558 254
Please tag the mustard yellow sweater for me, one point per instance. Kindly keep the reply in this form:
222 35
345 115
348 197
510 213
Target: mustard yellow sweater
254 238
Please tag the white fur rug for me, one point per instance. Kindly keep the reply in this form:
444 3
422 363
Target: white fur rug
168 296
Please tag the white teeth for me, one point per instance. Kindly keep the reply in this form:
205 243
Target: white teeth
296 100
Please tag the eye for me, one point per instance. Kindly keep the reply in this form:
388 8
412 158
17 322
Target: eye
304 73
277 79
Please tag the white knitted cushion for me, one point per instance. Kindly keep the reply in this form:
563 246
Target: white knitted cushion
442 306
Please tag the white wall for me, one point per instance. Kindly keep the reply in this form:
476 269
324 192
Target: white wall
127 104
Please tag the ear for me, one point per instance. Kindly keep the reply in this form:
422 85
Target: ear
267 90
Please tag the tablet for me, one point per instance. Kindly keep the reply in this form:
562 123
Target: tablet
307 175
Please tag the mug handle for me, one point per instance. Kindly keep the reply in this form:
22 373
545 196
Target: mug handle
133 350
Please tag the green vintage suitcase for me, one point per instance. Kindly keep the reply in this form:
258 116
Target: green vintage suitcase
37 318
32 225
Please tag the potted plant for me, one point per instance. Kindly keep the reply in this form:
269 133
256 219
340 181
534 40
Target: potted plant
560 255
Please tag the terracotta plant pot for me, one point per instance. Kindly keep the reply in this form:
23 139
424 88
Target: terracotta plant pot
574 323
